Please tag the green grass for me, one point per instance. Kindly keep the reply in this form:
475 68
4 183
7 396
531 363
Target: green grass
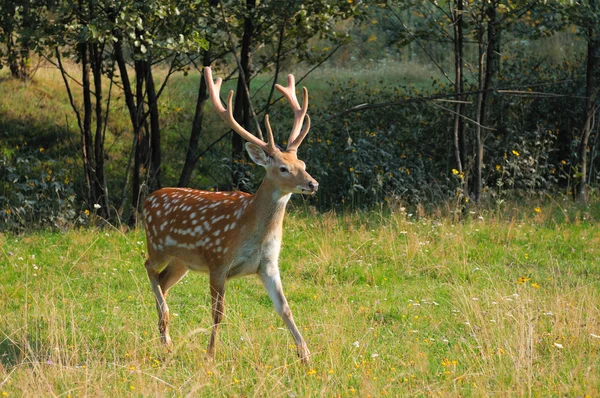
388 303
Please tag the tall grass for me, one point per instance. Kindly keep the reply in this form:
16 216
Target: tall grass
390 304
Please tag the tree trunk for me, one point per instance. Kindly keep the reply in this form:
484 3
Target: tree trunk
491 59
191 156
135 118
11 55
135 106
241 109
459 127
155 150
588 109
86 133
100 186
478 180
127 91
140 143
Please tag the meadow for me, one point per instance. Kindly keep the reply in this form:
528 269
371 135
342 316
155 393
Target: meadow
392 303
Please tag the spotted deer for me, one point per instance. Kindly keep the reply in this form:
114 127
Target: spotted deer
229 234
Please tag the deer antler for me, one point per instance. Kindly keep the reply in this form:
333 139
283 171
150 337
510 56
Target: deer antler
289 92
227 114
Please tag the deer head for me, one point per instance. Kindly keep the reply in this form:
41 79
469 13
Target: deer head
284 170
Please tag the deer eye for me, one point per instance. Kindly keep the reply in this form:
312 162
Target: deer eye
283 169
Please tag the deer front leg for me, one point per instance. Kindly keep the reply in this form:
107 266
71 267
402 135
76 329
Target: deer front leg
272 282
217 294
161 305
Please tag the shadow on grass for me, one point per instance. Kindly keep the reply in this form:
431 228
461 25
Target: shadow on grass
37 134
15 353
11 352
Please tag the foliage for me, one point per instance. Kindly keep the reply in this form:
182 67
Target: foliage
38 192
379 155
21 32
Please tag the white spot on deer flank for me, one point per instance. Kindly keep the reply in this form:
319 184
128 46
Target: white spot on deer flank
170 241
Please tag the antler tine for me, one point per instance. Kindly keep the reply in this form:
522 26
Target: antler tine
293 146
227 114
289 93
270 134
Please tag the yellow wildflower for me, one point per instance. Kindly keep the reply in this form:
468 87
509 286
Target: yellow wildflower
454 171
537 209
516 153
523 279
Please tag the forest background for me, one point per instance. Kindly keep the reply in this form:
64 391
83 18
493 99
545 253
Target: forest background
413 102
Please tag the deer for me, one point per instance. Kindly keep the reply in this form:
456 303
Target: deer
229 234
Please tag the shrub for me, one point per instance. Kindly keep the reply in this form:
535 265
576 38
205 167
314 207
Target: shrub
37 192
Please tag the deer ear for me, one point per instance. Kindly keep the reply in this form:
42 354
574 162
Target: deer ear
257 154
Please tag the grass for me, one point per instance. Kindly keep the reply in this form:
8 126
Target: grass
390 304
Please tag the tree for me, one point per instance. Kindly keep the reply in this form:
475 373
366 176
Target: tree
78 35
20 26
588 19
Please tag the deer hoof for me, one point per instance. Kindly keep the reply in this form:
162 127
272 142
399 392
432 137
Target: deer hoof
304 353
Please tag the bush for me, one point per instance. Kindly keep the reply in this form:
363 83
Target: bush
37 192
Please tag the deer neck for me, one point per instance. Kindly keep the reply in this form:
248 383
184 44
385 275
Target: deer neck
268 206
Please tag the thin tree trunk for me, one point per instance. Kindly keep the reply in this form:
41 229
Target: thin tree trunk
12 57
491 59
588 109
277 66
241 109
191 157
99 178
134 116
140 141
86 133
127 90
478 181
155 149
459 130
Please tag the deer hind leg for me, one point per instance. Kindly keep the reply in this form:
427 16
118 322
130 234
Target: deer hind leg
161 302
217 294
272 282
171 275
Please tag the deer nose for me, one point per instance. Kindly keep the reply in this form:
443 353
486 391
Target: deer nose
314 186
